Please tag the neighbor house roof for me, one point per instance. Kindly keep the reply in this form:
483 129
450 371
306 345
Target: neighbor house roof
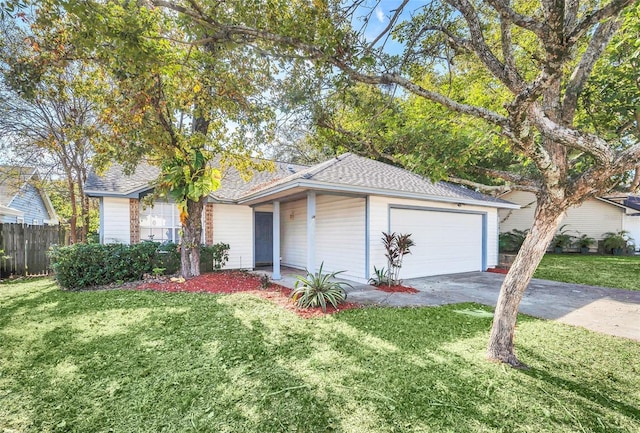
347 173
12 180
623 200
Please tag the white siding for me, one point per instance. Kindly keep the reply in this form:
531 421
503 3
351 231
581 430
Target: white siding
116 222
379 222
293 233
233 224
632 225
593 218
264 208
340 235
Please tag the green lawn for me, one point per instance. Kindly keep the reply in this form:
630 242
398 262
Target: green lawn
125 361
606 271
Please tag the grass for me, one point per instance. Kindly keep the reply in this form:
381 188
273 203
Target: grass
126 361
620 272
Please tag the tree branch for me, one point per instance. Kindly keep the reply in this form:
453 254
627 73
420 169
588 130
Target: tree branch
506 75
582 71
392 21
611 9
588 143
523 21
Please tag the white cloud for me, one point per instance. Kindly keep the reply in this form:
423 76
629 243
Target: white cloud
380 15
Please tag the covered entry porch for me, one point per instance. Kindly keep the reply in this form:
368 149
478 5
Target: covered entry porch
312 228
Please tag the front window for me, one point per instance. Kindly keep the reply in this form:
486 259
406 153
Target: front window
160 222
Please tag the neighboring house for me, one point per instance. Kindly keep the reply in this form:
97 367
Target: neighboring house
21 201
595 217
333 212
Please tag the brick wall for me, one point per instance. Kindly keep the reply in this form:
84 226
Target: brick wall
208 224
134 220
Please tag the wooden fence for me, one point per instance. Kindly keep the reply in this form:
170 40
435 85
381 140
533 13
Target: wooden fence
25 248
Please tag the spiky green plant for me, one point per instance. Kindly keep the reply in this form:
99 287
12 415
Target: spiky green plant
318 289
381 276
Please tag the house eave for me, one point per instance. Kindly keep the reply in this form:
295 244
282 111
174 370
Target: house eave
128 194
298 184
9 211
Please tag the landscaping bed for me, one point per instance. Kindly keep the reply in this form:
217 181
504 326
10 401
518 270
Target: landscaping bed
398 288
227 282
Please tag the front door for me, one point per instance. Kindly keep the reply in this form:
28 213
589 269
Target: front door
264 238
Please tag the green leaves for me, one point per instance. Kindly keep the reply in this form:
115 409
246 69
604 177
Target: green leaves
318 289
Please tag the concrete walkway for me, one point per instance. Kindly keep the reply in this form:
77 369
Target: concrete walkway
610 311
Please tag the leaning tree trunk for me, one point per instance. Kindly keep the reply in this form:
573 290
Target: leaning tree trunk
191 239
501 342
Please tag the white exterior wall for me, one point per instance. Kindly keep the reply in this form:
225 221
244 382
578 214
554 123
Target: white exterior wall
340 235
293 233
593 218
233 224
116 225
264 208
379 222
631 223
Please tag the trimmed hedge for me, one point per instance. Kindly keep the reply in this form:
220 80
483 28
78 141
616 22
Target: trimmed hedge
86 265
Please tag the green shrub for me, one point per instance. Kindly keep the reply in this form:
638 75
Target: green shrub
213 257
86 265
512 241
167 257
315 290
617 242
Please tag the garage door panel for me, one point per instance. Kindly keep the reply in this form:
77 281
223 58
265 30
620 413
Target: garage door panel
446 242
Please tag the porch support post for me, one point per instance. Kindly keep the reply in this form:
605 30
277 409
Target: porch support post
311 231
276 241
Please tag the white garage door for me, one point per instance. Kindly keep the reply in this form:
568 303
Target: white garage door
446 242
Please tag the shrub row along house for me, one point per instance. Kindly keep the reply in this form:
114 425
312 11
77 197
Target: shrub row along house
594 218
332 213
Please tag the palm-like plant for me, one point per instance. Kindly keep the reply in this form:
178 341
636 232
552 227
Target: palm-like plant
397 246
617 241
316 290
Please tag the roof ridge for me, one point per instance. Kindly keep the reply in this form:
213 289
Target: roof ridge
328 163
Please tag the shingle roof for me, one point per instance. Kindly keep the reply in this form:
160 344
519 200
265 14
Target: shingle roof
357 171
347 169
115 182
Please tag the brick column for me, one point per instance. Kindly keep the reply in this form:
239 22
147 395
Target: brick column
134 220
208 224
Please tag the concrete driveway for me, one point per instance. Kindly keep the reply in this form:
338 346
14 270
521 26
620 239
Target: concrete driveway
610 311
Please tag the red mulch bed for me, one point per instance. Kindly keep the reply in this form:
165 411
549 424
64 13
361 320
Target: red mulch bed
235 282
498 270
397 289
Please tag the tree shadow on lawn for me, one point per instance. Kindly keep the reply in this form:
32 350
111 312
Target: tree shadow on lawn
143 361
599 390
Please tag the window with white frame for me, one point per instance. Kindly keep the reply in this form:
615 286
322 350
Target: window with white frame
160 222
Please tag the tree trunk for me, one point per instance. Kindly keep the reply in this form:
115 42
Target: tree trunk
74 210
84 209
191 239
501 342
